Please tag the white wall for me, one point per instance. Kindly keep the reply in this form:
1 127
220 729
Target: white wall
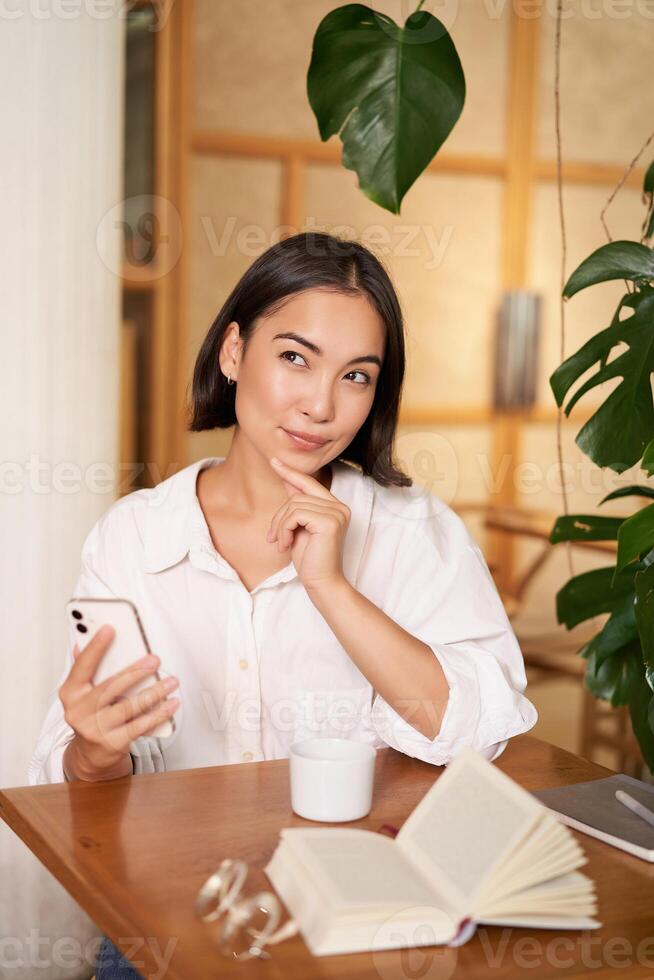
61 119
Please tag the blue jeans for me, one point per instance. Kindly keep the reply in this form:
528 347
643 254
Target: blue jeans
112 965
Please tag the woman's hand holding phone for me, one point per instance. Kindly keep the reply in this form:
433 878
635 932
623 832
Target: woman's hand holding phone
104 717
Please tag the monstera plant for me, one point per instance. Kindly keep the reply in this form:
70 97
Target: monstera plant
620 658
392 93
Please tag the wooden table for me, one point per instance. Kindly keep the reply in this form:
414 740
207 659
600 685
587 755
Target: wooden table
134 851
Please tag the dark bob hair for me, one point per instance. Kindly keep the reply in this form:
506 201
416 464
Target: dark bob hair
310 260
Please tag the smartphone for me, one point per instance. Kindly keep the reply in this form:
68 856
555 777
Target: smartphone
86 616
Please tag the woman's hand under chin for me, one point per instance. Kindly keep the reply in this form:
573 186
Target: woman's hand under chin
312 524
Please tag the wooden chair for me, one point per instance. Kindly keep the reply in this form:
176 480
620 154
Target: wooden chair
553 654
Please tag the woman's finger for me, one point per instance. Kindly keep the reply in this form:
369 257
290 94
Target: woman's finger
299 500
312 518
116 715
301 482
116 685
145 723
119 739
88 660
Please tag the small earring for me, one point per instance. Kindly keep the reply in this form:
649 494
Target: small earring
229 380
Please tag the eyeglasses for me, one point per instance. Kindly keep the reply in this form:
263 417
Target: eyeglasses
244 932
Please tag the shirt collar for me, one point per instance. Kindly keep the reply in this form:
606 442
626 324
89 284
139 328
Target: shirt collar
171 524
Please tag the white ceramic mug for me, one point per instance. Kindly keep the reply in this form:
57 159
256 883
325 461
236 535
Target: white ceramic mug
331 778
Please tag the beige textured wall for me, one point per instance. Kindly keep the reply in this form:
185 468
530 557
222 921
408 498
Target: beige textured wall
606 58
591 309
252 60
234 207
443 255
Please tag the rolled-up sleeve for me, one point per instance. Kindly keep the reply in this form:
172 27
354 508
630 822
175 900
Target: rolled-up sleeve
443 594
46 764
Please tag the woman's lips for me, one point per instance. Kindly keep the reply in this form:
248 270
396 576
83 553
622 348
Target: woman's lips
302 443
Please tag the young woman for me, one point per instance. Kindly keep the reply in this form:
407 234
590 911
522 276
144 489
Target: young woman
301 585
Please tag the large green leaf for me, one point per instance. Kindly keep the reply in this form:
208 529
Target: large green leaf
618 432
393 93
648 193
585 527
644 610
606 680
619 631
641 709
636 536
617 260
593 593
620 680
631 491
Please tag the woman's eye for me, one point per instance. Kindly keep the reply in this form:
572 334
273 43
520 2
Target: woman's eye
366 379
294 353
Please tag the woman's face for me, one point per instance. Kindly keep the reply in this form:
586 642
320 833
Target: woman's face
320 382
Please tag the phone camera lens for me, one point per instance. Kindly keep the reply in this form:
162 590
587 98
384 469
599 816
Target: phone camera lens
77 614
81 628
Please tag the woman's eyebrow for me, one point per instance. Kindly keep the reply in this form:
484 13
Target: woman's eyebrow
367 358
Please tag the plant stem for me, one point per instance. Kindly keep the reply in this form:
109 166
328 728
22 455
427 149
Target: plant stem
419 6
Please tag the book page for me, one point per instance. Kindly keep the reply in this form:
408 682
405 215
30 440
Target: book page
466 825
361 871
547 851
572 894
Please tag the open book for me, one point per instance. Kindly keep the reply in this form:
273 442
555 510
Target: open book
476 849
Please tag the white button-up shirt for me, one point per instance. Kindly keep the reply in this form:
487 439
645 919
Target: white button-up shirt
260 670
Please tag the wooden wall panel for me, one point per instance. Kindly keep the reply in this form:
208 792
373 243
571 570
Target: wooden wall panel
591 309
443 254
251 64
537 487
537 482
233 217
607 103
451 461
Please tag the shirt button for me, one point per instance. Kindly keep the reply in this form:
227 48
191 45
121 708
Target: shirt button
247 756
243 663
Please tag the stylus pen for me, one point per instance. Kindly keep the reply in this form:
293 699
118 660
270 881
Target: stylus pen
635 806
